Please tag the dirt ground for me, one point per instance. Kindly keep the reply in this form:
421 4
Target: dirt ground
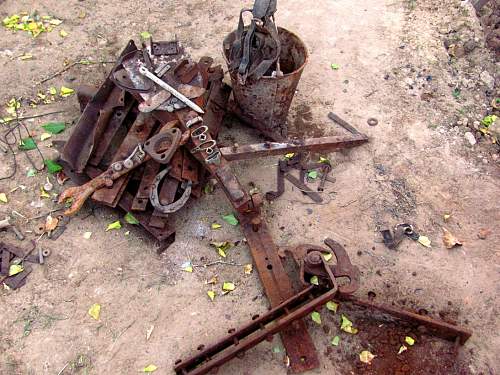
395 64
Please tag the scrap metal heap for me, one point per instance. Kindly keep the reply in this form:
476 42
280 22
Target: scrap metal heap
146 142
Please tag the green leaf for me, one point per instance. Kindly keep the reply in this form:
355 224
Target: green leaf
149 368
114 225
335 66
346 325
489 120
456 93
332 306
129 218
228 287
230 219
312 174
27 144
52 166
31 172
145 35
316 317
54 127
409 340
66 91
335 341
314 280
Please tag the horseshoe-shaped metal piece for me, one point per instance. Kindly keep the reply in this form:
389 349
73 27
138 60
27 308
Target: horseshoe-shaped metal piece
174 206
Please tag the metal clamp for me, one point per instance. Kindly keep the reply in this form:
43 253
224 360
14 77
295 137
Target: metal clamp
172 207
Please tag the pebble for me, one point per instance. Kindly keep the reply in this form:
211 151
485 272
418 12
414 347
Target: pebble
487 79
470 138
476 124
494 157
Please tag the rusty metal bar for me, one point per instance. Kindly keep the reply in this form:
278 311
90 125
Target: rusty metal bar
326 144
435 327
278 287
261 328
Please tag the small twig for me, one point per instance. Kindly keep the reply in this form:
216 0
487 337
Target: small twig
217 262
30 117
69 66
370 93
64 368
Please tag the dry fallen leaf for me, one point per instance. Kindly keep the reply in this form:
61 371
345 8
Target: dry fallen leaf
248 268
449 239
51 223
366 357
424 241
483 233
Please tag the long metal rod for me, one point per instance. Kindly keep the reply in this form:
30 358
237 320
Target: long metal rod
326 144
145 72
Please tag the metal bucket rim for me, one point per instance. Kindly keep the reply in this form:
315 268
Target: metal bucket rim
300 68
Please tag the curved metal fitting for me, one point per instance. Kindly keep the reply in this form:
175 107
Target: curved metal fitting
213 158
200 134
193 121
209 149
151 146
172 207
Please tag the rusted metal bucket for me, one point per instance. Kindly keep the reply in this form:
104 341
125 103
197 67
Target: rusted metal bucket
264 103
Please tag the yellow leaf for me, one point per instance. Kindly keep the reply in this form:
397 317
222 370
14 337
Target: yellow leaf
213 280
55 22
14 269
3 198
45 136
314 280
216 226
43 193
228 287
149 368
211 295
366 357
114 225
425 241
289 155
187 266
87 235
26 56
66 91
327 256
409 340
63 34
346 325
95 311
446 217
332 306
52 90
221 252
402 349
126 233
248 268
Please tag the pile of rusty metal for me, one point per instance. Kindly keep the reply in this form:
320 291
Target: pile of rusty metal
147 140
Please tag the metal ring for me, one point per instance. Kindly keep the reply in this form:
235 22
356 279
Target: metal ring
208 149
213 158
193 121
196 133
45 253
372 121
174 206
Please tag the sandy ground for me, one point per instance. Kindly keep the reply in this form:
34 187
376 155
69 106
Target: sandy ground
416 168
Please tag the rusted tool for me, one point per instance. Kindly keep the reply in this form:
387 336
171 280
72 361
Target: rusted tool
393 239
79 194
